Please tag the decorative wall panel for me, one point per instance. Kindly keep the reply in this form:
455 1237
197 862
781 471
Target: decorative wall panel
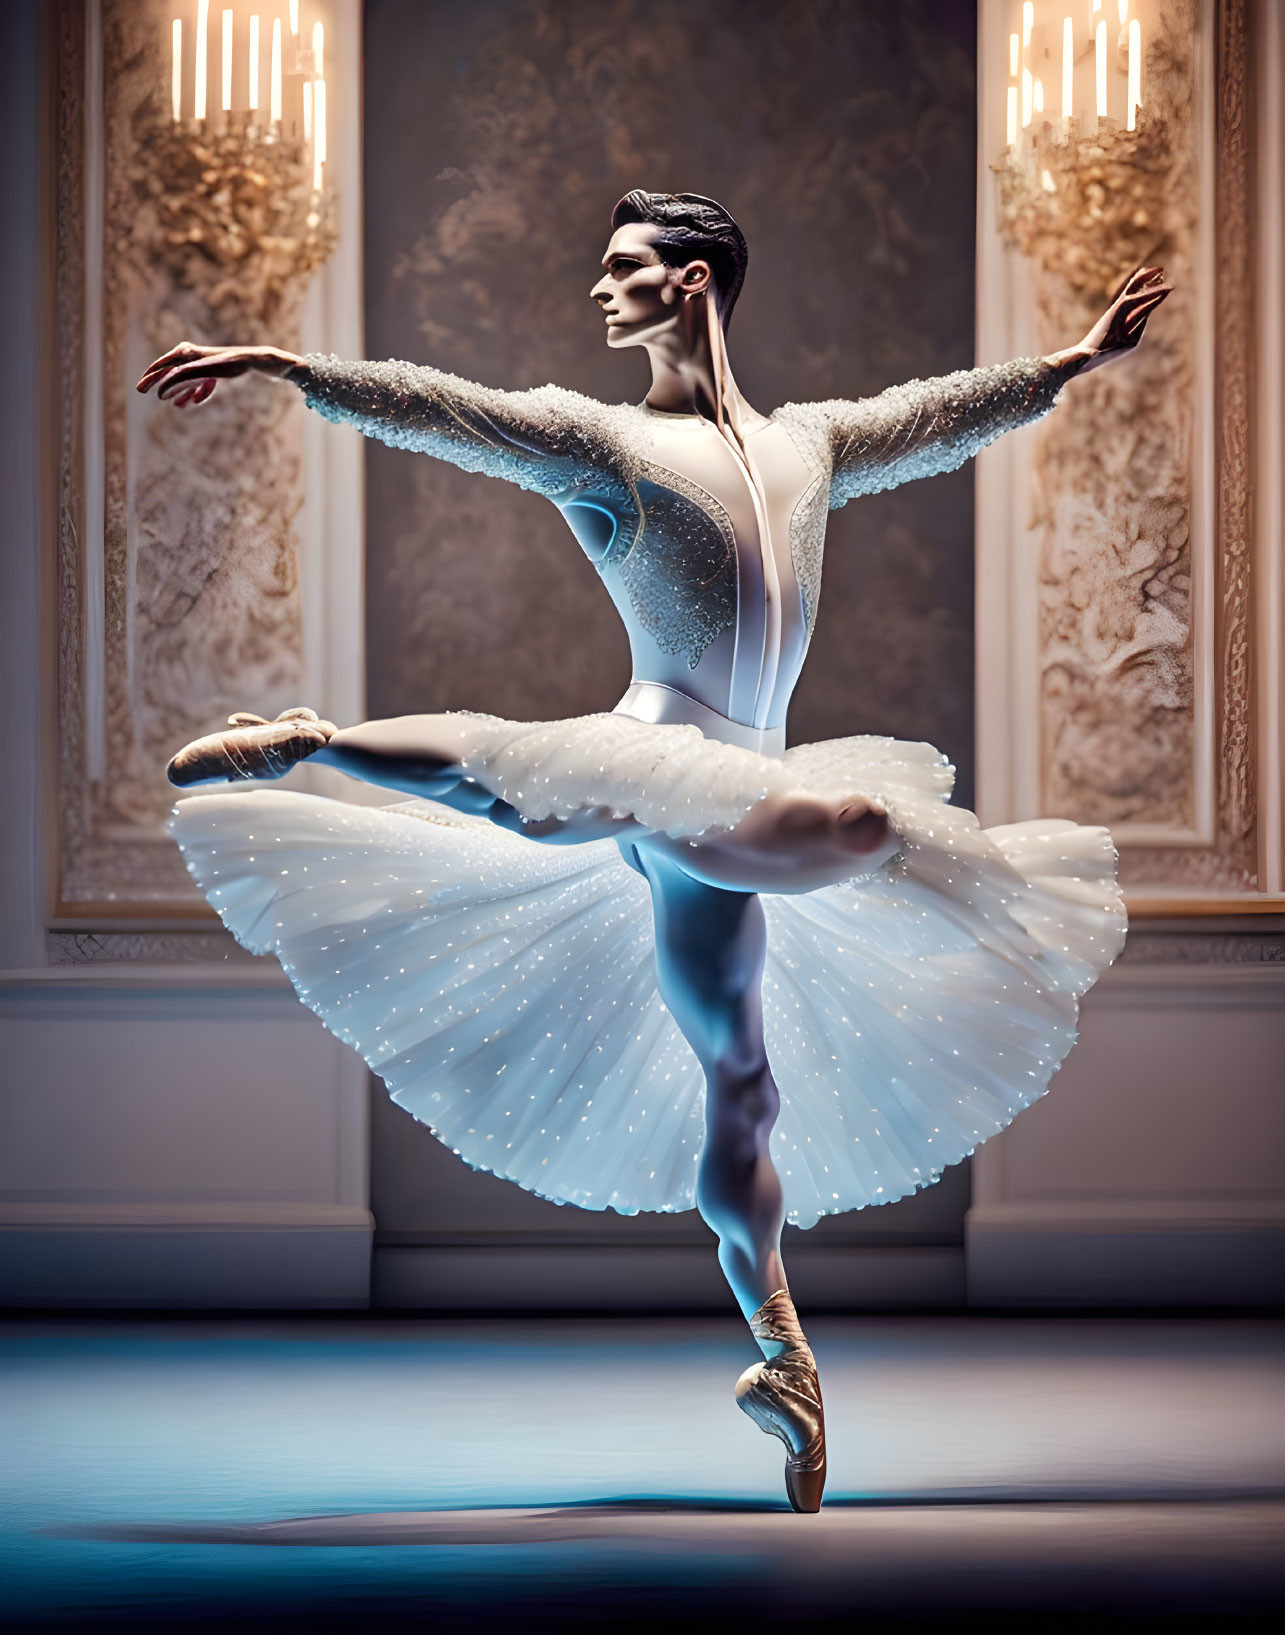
1127 551
1114 502
179 594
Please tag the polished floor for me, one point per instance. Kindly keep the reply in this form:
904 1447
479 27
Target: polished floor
383 1474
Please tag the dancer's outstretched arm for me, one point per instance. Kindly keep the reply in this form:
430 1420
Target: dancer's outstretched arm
929 426
548 440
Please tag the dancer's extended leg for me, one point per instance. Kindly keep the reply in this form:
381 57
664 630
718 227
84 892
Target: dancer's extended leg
791 841
420 755
417 755
710 948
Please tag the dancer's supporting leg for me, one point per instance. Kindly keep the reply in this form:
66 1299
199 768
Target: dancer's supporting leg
710 948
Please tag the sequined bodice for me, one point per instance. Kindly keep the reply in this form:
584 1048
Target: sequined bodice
710 546
701 562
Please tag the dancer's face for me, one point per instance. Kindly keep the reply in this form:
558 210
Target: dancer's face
642 298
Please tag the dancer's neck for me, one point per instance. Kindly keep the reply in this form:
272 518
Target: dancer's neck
684 375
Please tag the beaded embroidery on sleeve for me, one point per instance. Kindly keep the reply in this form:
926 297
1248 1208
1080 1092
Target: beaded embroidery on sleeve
548 440
927 426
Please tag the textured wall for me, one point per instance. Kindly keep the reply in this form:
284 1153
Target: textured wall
499 134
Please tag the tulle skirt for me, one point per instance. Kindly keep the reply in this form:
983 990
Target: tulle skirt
506 991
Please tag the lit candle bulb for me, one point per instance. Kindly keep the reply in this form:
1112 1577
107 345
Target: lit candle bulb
1100 61
1068 70
1122 6
318 50
1028 21
202 31
1028 97
1012 116
176 71
274 79
254 62
1135 71
294 16
227 61
319 125
1039 95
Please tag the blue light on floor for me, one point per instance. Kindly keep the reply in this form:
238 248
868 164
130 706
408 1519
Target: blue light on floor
163 1434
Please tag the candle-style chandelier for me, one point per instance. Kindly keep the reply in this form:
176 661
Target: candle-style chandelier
1087 146
1097 66
236 164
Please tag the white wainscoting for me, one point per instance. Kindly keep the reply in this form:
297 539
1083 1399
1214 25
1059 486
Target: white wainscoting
1151 1174
171 1143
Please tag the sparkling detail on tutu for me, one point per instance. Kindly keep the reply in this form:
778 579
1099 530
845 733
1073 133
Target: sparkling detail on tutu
506 991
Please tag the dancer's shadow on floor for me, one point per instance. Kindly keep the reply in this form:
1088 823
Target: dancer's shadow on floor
574 1521
577 1521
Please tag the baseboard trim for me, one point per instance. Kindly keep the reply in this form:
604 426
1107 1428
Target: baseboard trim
229 1263
1119 1255
194 1215
486 1278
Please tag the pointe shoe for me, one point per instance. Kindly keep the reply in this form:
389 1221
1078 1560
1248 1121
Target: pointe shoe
783 1397
253 747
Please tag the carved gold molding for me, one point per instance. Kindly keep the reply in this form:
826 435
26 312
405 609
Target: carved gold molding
178 586
1229 863
1230 867
1140 487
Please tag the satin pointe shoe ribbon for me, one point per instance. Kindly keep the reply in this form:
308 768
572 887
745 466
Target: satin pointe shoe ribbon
251 747
783 1397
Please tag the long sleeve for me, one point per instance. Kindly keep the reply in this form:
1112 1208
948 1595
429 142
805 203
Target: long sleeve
929 426
548 440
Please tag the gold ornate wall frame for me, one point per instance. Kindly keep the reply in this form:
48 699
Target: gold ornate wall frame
181 539
1129 556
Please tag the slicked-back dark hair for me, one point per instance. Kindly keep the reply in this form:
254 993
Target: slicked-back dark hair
692 228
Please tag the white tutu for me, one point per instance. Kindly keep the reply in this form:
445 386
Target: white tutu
506 991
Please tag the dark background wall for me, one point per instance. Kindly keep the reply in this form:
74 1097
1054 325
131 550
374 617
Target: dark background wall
499 133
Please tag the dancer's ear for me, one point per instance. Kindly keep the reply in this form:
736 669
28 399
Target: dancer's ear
694 278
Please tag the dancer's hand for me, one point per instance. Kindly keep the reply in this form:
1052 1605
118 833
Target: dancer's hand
1120 327
188 373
